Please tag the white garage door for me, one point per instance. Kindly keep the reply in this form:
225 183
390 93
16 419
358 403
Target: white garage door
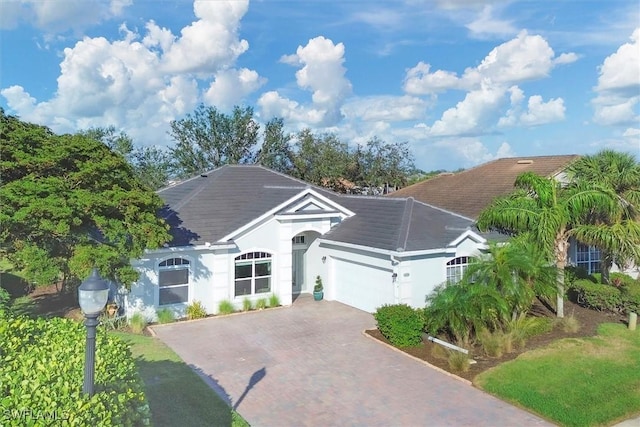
363 286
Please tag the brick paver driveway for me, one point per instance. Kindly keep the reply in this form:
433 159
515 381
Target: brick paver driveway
309 364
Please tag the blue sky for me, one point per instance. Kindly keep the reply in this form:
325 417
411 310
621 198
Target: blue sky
463 81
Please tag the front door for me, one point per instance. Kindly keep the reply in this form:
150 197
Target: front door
297 270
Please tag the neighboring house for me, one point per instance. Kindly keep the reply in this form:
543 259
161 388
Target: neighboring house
249 232
470 191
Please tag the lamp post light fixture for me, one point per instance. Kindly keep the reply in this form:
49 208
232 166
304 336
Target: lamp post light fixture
92 296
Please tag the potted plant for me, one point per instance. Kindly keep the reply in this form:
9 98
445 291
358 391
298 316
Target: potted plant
318 289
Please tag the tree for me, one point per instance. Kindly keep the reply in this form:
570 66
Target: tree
518 271
152 165
548 212
208 138
321 160
68 203
384 164
617 236
275 152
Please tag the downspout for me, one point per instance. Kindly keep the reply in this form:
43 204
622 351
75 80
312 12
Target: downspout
394 278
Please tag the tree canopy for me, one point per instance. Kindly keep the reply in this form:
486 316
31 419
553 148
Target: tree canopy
69 203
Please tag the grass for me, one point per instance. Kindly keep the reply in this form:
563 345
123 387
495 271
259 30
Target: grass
575 382
176 394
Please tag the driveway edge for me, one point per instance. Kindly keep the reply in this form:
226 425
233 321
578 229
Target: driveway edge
449 374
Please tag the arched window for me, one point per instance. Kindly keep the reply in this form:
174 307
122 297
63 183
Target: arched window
253 273
173 280
456 268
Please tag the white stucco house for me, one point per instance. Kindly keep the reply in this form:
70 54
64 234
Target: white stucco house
245 231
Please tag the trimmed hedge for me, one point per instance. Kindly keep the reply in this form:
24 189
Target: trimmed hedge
622 298
400 324
42 370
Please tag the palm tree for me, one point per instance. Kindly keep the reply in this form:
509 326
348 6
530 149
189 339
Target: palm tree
548 211
518 271
617 236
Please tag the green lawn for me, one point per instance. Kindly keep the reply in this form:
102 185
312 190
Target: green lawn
177 395
575 382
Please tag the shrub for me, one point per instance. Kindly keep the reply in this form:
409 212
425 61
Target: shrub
4 299
492 343
246 304
458 361
631 295
226 307
597 296
166 316
439 352
42 372
261 303
318 286
196 310
400 324
524 327
137 323
274 301
570 324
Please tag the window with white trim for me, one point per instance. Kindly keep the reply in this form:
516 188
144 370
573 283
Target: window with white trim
456 268
173 281
252 273
588 258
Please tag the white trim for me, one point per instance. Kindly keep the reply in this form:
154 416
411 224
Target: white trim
469 233
303 215
205 247
306 202
283 205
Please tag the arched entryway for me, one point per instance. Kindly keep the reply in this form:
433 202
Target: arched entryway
300 244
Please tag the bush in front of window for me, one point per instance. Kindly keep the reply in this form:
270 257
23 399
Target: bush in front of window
597 296
247 305
261 304
400 324
226 307
195 310
274 301
166 316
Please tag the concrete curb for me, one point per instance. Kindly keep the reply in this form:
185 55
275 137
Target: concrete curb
447 373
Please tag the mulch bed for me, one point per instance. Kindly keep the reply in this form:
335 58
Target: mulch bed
588 319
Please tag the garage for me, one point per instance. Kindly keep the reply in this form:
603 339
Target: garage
362 286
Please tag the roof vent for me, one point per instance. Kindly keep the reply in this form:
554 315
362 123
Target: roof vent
203 175
525 162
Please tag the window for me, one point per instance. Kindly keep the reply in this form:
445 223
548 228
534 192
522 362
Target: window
253 273
298 239
173 280
456 268
588 258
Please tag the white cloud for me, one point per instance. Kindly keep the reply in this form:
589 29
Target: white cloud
211 42
472 115
631 133
419 80
54 16
231 86
537 113
135 83
323 75
486 25
471 151
524 58
618 89
386 108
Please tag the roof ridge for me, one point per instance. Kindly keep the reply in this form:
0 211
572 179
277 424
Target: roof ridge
403 233
445 211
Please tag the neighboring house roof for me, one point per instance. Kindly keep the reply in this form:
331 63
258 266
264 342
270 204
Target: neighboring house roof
470 191
216 204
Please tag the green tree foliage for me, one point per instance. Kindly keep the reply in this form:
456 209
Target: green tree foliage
67 203
549 212
208 138
616 234
152 165
276 152
384 164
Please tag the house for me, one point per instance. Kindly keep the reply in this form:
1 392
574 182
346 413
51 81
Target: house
470 191
246 232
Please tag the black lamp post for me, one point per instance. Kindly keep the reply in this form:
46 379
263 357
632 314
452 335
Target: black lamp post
92 296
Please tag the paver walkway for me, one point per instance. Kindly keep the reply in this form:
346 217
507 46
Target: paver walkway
310 365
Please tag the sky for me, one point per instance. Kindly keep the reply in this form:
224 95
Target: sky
462 81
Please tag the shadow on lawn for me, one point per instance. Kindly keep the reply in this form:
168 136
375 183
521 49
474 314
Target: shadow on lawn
176 397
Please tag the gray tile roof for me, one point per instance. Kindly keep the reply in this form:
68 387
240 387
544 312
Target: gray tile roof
211 206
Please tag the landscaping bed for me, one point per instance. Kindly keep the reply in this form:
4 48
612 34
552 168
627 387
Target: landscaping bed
587 318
